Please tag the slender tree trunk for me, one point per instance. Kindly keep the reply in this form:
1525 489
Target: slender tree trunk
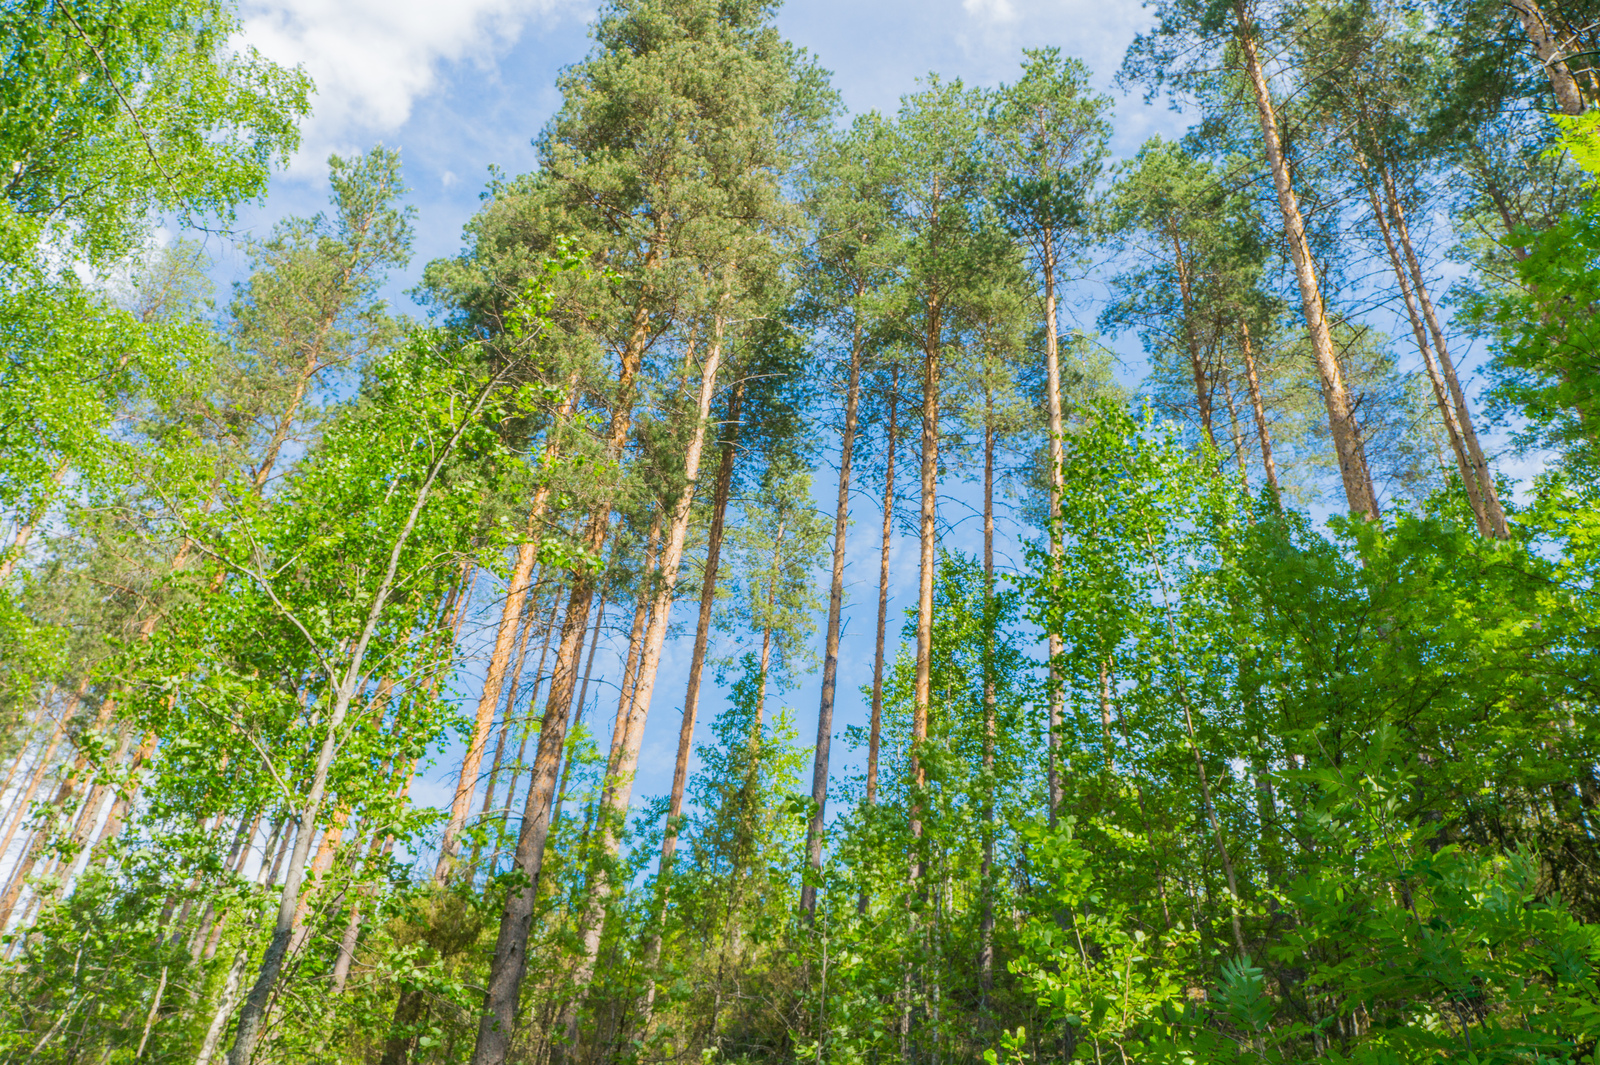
891 444
64 793
1052 366
505 637
578 705
509 963
1494 513
530 608
619 786
1197 366
1238 434
722 489
1342 424
1256 405
986 873
830 659
327 851
1551 55
28 734
1441 391
19 808
928 562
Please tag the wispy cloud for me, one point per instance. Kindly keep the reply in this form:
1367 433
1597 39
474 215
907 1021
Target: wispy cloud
990 10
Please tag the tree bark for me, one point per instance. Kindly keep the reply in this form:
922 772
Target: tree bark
986 871
1568 96
830 658
928 562
1342 424
519 660
19 811
1197 367
1441 391
722 489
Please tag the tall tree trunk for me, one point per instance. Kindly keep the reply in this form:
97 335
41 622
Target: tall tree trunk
1238 434
1551 55
41 767
530 609
510 962
928 562
891 444
505 637
1441 390
1493 511
578 704
64 793
1260 410
1342 424
1197 366
830 655
722 489
986 872
1052 375
618 792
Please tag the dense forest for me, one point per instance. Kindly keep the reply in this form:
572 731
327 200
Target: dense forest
1269 739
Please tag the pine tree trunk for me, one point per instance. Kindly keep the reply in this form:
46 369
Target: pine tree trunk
530 608
578 705
509 963
722 489
1256 405
1342 424
619 788
1494 513
505 637
891 444
64 793
986 872
830 659
1197 367
19 808
527 719
1441 391
1238 434
1545 45
1058 458
928 561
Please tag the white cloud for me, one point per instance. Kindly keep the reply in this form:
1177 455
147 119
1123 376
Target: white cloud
990 10
373 59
